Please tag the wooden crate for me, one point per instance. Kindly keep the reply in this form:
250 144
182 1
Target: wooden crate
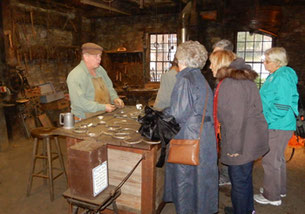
143 192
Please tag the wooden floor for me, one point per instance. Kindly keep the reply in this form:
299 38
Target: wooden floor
15 166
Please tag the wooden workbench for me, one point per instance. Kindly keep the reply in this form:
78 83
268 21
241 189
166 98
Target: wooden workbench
143 191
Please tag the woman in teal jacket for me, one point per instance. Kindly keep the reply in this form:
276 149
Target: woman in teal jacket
280 106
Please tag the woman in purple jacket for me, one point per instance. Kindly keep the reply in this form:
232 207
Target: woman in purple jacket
244 131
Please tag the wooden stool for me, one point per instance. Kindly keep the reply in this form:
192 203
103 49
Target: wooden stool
45 134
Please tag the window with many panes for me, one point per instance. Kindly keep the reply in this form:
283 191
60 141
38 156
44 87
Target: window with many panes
251 47
162 51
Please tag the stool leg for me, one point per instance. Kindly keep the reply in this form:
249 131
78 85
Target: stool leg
33 163
60 157
75 209
50 168
45 160
115 207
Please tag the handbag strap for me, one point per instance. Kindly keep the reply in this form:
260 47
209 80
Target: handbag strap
205 108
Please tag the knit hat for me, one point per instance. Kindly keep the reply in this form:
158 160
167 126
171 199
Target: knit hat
91 48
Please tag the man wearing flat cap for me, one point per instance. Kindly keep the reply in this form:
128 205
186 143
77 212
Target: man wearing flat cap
90 89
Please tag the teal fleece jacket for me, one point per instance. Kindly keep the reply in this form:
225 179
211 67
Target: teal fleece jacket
280 99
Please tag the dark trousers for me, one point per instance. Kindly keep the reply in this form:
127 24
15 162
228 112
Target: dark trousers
242 188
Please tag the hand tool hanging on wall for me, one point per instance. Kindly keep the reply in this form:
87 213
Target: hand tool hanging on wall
11 59
32 22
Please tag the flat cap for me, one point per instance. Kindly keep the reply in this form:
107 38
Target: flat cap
91 48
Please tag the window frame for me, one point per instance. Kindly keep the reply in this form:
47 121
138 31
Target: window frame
164 54
262 41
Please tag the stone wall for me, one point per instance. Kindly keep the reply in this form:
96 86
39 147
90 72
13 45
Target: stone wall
43 40
292 38
132 33
46 41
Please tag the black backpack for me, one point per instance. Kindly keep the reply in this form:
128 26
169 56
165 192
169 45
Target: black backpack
300 130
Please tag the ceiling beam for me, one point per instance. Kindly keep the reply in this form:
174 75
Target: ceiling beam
103 6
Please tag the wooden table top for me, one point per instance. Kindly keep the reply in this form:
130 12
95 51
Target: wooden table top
120 129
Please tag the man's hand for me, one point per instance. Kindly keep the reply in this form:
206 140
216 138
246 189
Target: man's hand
119 103
110 108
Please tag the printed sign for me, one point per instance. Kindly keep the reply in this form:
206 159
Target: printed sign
100 178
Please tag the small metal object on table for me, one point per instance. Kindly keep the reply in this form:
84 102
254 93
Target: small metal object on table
99 203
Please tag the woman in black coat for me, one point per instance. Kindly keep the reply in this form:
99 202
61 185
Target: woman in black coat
193 189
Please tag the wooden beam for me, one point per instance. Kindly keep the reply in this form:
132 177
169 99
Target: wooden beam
103 6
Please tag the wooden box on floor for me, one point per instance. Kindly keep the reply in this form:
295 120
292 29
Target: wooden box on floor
87 168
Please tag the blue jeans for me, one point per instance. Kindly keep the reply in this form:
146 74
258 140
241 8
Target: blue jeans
242 188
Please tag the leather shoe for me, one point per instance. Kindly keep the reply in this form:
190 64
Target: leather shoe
229 210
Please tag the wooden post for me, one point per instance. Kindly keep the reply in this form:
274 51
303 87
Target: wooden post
4 143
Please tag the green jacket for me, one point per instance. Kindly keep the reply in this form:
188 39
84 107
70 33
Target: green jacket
280 99
81 90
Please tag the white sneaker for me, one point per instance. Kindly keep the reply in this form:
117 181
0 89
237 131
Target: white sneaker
259 198
261 190
224 181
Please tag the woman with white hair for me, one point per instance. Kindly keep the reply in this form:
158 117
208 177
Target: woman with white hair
193 189
280 105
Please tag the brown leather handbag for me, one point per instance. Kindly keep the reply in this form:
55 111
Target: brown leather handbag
186 151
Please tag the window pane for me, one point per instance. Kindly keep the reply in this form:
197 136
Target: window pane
241 54
152 56
258 37
240 46
167 65
241 36
250 37
159 66
165 55
267 45
152 47
152 66
249 46
160 38
257 56
268 38
249 56
160 47
165 47
257 46
257 67
174 38
160 57
152 39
